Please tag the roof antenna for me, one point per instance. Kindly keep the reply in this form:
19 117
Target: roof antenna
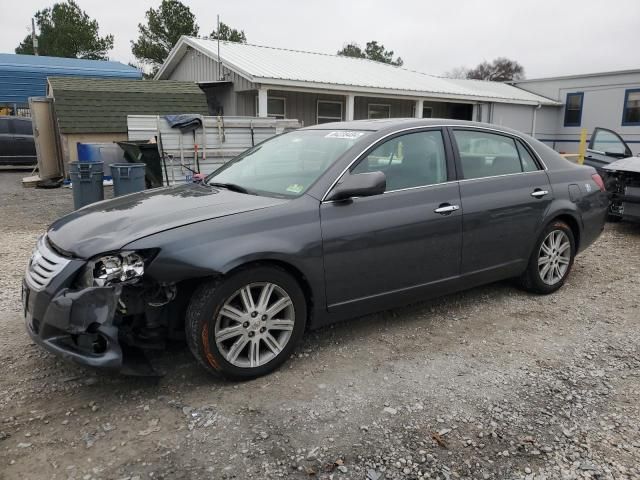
218 35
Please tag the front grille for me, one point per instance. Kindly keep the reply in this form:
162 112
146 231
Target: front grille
44 265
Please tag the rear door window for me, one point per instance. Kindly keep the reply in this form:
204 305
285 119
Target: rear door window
484 154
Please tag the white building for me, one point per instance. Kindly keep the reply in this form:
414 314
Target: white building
251 80
242 79
609 99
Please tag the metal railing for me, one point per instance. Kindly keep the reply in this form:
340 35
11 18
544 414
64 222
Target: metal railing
15 109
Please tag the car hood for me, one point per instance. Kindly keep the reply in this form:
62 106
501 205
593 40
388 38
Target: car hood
629 164
112 224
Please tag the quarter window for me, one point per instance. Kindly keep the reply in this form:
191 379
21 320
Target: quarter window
631 112
411 160
573 109
328 111
485 154
377 110
526 160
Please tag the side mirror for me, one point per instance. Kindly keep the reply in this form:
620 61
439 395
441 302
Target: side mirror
359 185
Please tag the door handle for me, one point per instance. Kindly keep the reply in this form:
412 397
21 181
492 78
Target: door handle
539 193
446 209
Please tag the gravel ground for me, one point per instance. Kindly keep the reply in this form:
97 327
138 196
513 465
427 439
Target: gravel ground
489 383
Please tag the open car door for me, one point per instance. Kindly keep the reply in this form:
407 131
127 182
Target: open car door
605 147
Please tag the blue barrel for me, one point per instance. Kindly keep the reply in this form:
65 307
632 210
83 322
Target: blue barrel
86 183
127 178
88 152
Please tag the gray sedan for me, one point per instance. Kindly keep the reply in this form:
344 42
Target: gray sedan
307 228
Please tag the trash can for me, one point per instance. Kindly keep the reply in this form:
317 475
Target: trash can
127 178
86 183
147 153
107 153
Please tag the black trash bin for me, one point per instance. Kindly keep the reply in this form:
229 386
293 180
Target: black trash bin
147 153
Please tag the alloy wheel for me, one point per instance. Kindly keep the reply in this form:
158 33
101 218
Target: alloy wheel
254 324
554 257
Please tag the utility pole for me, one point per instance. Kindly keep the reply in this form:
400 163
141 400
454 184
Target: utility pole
218 35
34 39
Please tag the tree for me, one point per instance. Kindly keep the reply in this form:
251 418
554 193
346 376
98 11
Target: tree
373 51
500 70
229 34
376 52
164 27
67 31
352 50
458 72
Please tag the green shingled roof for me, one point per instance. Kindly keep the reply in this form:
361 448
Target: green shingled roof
91 105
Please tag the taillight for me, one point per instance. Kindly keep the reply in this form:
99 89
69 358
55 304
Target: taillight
598 179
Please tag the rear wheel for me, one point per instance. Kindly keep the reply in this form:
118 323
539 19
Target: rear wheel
247 324
551 260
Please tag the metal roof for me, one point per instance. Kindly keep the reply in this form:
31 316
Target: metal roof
633 71
84 105
24 76
282 67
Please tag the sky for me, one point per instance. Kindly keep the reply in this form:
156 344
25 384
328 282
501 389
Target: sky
548 37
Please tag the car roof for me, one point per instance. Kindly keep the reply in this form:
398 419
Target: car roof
382 127
390 124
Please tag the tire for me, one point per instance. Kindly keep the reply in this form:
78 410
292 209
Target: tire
265 334
532 279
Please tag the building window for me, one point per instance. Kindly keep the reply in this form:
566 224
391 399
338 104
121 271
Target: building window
573 109
631 112
276 107
377 110
427 112
328 111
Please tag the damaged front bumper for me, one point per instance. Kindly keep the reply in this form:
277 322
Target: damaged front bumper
622 179
74 323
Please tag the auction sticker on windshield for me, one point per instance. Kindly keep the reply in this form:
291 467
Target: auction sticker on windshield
295 188
351 135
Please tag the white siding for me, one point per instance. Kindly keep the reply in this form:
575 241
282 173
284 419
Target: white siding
602 106
518 117
197 67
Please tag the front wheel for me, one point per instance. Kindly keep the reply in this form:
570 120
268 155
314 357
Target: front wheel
551 260
247 324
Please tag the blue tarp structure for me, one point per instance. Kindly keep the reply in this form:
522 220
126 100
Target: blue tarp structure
24 76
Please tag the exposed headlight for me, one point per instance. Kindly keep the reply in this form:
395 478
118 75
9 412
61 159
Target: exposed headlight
120 267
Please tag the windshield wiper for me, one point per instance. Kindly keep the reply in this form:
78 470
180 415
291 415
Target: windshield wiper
230 186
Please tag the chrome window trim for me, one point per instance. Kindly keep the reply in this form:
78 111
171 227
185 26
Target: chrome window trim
498 176
424 127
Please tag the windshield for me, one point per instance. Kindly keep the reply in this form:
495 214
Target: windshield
286 165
